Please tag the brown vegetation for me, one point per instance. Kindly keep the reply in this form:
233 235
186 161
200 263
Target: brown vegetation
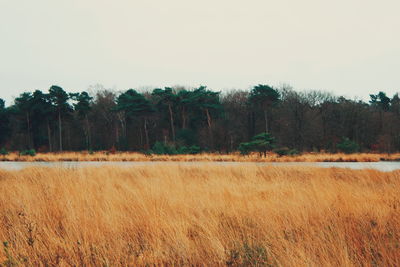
213 215
234 157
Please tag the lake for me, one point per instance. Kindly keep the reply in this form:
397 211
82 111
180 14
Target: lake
385 166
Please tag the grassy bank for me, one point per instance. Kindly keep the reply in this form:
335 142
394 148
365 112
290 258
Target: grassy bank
234 157
175 215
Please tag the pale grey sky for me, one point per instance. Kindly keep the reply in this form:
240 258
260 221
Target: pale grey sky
349 47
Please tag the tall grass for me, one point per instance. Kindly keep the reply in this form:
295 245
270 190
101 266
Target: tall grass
209 215
235 157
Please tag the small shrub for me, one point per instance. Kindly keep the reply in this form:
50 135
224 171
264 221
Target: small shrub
161 148
147 152
250 255
286 152
245 148
3 152
170 150
183 150
158 148
260 143
347 146
194 149
283 151
30 152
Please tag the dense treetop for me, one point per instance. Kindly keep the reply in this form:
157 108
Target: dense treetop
200 119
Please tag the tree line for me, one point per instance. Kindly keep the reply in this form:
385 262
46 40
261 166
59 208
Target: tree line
192 120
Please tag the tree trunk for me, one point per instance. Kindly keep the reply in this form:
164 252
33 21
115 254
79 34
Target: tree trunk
146 134
171 119
141 136
29 130
208 119
60 130
88 135
209 128
251 129
266 120
117 137
49 135
68 131
122 120
183 118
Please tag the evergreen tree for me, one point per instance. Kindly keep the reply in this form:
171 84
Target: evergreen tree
262 97
185 103
42 116
83 107
59 98
135 104
260 143
167 97
4 123
380 100
395 104
23 108
208 101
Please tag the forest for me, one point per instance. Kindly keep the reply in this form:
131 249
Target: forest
183 120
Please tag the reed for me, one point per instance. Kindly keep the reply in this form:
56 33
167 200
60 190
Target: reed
212 215
233 157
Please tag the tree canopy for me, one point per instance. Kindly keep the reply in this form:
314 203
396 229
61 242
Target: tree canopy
181 119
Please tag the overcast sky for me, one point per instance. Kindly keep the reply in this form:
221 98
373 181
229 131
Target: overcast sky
348 47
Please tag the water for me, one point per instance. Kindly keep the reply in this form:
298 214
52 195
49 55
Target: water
385 166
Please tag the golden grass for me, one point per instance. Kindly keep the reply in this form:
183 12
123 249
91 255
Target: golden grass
195 216
234 157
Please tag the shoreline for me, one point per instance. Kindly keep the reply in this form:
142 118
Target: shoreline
235 157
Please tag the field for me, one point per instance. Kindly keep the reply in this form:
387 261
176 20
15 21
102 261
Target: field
182 215
234 157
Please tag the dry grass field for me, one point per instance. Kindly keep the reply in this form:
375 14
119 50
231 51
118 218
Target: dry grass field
194 216
234 157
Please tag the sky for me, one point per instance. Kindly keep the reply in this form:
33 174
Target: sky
347 47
